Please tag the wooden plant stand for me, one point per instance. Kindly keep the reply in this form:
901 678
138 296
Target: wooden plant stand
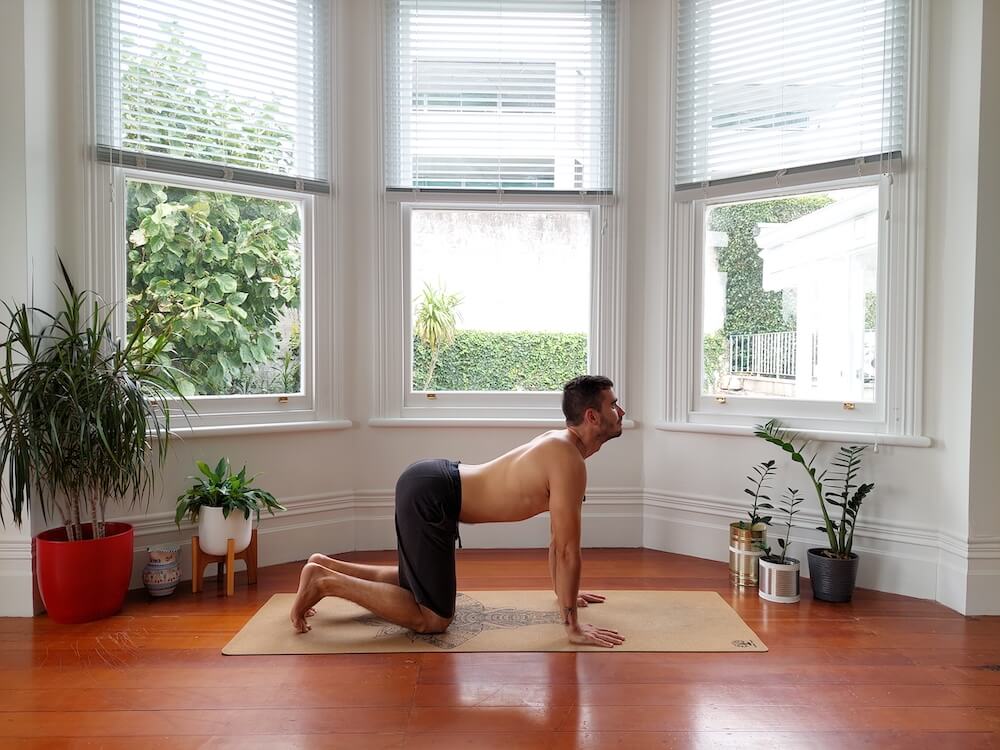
200 559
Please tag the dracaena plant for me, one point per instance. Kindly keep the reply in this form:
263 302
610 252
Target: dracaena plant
220 488
837 486
78 409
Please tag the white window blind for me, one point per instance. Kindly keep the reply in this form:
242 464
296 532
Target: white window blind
500 94
233 90
766 86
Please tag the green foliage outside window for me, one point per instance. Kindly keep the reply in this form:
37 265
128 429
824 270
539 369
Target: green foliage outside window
716 360
190 113
871 310
223 268
507 361
749 308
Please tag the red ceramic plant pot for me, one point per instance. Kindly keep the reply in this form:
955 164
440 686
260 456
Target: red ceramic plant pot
84 580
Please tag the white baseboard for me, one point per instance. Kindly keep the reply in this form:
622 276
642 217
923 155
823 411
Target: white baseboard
17 584
311 524
894 558
912 561
983 596
908 560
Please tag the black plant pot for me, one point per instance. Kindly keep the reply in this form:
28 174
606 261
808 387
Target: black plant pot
832 579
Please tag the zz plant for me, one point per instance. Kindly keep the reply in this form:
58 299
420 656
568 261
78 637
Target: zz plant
220 488
764 471
789 508
78 409
841 489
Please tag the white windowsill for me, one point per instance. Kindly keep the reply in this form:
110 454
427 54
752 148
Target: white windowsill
473 422
265 427
860 438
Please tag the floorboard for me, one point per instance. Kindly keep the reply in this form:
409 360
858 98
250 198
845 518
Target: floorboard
881 672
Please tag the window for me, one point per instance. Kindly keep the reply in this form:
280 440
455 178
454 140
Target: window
793 211
789 297
500 216
522 318
214 161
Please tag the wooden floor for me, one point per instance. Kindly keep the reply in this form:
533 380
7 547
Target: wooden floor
882 672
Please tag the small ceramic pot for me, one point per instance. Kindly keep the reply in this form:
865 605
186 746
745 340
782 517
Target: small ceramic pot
163 570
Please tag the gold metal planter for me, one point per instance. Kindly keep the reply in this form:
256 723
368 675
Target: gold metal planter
744 553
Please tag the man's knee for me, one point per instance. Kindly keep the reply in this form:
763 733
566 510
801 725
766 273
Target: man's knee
317 558
432 623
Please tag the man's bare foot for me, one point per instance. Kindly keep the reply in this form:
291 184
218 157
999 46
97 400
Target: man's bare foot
308 594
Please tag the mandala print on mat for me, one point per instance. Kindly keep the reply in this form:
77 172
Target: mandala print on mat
472 617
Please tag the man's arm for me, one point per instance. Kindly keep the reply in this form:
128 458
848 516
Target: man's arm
566 486
583 598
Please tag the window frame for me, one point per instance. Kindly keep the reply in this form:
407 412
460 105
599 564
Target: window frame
896 416
395 402
456 403
112 279
719 409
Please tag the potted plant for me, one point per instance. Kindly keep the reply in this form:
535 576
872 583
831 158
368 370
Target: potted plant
746 537
221 502
833 569
77 409
779 573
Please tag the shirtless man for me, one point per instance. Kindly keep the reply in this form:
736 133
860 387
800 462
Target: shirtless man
547 473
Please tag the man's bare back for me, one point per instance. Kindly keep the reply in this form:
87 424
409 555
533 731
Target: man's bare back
515 485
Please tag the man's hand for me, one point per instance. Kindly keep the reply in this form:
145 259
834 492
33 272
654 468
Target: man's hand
588 635
585 597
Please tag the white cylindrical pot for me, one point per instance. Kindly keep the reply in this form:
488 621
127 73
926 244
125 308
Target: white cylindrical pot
214 530
779 582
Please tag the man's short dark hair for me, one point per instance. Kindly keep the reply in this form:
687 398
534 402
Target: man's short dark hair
582 393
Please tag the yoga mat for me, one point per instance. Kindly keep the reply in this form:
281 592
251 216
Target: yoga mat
506 621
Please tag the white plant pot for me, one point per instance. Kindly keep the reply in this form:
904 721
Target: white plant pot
779 583
214 530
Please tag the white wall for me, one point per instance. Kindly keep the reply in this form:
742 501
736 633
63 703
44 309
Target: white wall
30 187
984 497
952 168
665 490
15 544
